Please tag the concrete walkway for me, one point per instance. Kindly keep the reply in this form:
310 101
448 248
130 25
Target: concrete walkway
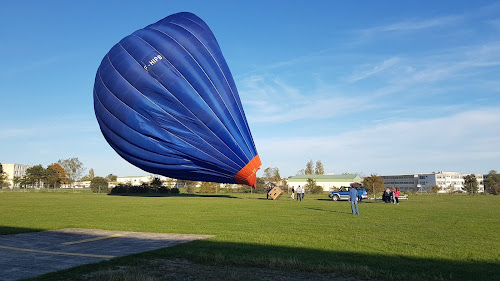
31 254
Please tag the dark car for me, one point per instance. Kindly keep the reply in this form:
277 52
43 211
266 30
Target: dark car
343 193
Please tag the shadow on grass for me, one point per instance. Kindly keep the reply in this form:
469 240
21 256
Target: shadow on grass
313 264
369 201
329 211
183 195
5 230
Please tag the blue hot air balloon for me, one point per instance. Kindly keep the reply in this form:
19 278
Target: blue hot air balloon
166 102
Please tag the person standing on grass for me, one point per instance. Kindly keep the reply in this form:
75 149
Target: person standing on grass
387 195
396 195
353 197
293 191
298 193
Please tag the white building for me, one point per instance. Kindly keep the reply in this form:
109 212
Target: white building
425 181
138 180
14 170
328 182
407 182
134 180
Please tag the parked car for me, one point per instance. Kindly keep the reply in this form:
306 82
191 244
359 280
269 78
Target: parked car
343 193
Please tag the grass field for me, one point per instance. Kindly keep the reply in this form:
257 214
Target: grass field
428 237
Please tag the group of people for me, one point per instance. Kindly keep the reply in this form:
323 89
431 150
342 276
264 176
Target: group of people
298 193
391 196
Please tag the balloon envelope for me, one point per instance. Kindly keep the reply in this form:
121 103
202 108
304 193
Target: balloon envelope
166 102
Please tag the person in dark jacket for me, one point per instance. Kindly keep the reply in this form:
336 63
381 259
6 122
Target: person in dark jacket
386 197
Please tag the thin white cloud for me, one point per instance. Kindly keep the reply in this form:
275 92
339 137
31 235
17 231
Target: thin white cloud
398 147
276 101
9 133
414 25
458 62
272 101
373 70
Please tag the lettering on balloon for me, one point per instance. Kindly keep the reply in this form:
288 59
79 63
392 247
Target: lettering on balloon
153 61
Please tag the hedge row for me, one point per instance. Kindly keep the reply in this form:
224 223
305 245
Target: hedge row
134 189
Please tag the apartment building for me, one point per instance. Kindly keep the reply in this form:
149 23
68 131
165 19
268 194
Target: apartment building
423 182
13 170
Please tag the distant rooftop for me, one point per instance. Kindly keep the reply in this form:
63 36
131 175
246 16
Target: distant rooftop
343 177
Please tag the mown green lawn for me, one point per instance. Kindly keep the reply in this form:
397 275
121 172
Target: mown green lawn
427 237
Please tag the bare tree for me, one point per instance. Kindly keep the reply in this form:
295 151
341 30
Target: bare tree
319 168
272 175
73 168
309 168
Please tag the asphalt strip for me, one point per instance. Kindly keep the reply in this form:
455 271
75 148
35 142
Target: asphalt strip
31 254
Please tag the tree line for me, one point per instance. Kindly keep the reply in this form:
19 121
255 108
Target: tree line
68 171
64 171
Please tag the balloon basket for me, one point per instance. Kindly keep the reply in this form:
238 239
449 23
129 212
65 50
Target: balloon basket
275 193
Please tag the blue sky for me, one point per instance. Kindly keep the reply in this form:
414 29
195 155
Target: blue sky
366 87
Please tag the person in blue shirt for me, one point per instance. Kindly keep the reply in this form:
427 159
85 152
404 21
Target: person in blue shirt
353 197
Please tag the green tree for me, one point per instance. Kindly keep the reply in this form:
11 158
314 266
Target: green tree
374 183
51 178
99 185
24 182
189 186
17 181
3 177
319 168
312 187
492 182
155 183
36 175
73 168
261 186
470 184
111 178
209 187
309 168
435 189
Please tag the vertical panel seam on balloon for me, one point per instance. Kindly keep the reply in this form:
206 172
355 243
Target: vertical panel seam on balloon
240 108
99 119
229 85
203 101
228 175
217 90
156 105
182 105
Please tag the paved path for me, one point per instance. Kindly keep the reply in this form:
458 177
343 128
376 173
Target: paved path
31 254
